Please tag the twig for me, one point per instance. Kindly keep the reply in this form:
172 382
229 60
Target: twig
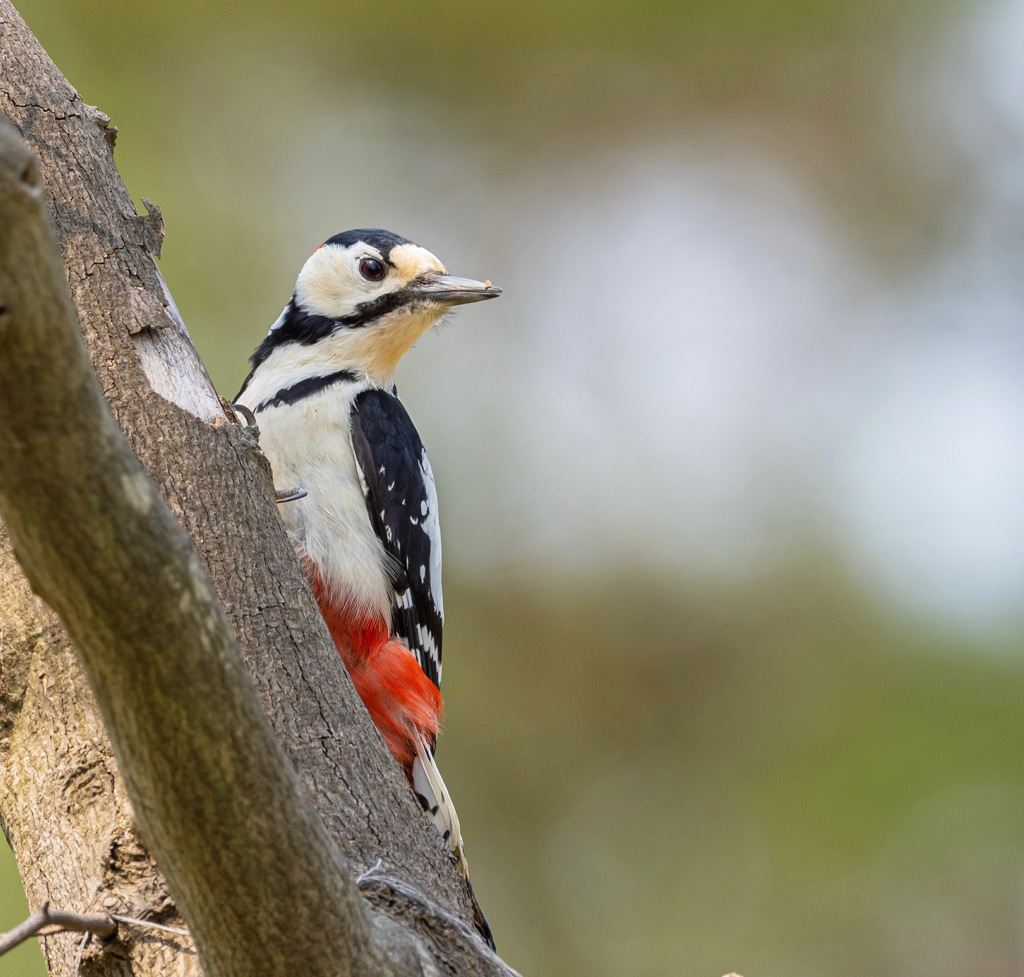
55 922
102 926
78 956
129 921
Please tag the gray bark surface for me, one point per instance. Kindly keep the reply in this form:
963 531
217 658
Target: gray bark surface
253 802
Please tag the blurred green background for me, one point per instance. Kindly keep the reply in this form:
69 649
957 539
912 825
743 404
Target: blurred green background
731 476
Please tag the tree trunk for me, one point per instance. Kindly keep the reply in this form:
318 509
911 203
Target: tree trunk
261 791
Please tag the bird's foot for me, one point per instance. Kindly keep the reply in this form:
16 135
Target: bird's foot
249 417
289 495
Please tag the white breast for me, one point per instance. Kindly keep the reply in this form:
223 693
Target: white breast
309 446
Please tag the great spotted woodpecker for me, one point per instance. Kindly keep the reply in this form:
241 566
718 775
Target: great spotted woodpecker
322 390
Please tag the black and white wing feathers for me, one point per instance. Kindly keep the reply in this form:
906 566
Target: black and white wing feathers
402 503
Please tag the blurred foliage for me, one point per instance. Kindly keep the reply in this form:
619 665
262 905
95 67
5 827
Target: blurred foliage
769 779
655 774
25 960
466 51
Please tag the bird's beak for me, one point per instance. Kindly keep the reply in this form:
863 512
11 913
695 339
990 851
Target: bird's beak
449 290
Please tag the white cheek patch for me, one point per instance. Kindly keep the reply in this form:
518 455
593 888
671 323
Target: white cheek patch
330 284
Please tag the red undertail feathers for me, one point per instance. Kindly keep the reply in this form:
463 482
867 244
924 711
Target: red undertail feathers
405 706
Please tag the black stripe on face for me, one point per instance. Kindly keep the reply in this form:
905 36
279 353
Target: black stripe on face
378 307
299 326
305 388
307 328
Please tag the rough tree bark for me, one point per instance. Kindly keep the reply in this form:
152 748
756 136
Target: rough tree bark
258 817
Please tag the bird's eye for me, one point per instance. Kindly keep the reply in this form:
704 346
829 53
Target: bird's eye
371 269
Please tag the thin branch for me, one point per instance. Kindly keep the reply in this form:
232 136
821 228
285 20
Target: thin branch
55 921
78 954
131 921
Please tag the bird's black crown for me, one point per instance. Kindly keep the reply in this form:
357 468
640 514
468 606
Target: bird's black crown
376 237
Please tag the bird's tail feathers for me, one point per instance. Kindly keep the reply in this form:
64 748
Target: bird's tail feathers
437 802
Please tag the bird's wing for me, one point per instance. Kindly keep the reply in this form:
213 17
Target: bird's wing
402 502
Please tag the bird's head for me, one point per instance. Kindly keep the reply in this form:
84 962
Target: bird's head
361 300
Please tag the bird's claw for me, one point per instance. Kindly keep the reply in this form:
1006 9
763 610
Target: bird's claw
249 417
289 495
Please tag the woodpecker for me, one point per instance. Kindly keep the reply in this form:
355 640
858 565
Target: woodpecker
322 391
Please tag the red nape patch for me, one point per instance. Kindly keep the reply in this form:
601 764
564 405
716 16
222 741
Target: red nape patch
403 703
